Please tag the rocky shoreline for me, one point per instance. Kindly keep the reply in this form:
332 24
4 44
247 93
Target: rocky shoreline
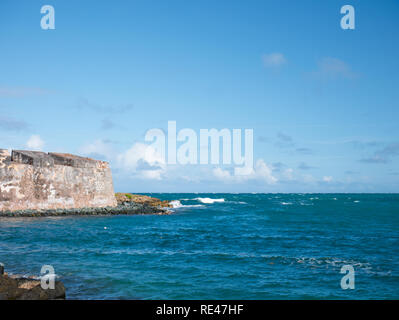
14 287
128 204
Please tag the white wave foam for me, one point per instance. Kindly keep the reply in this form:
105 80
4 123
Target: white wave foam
209 200
176 204
286 203
235 202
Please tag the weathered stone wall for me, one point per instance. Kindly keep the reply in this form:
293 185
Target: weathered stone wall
38 180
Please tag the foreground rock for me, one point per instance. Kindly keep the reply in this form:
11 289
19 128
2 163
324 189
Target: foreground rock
127 205
21 288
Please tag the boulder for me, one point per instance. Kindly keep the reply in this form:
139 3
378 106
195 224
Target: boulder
22 288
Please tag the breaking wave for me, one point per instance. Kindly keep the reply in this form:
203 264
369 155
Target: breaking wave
176 204
209 200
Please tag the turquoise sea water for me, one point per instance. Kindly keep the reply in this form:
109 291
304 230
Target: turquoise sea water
246 246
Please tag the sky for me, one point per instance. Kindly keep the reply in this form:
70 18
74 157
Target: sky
322 101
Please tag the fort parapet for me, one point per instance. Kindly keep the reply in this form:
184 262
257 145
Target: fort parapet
32 180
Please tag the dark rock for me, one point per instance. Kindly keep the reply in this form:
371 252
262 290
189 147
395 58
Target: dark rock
136 204
22 288
35 158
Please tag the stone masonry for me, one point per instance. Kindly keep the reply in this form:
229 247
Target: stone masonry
32 180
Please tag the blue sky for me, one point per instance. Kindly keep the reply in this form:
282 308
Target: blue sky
322 101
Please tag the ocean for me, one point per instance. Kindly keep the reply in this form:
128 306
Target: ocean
219 246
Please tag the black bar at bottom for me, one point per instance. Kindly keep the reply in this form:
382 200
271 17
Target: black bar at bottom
195 309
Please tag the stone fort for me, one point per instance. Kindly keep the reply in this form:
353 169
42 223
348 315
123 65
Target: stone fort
32 180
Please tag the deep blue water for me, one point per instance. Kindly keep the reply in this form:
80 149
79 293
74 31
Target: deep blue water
251 246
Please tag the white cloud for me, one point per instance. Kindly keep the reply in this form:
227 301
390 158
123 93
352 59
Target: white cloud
309 179
273 60
221 174
288 174
261 171
35 143
143 161
99 149
334 68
